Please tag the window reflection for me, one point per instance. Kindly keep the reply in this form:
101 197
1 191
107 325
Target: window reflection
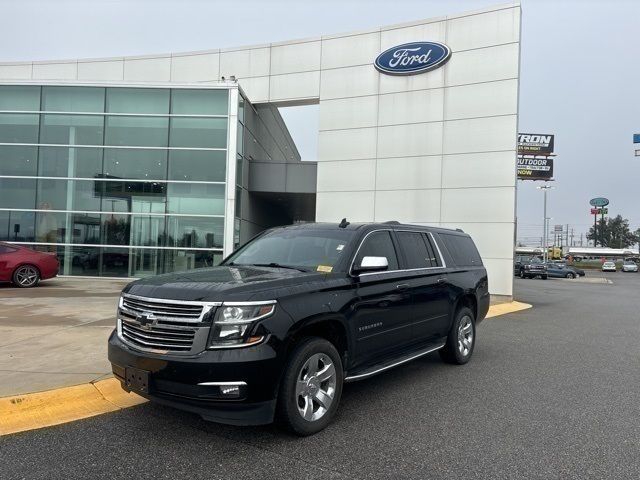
135 163
137 131
198 132
70 162
72 129
18 160
199 102
17 226
73 99
201 199
195 232
19 128
124 199
205 166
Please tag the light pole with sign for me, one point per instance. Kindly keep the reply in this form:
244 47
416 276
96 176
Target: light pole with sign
598 203
545 233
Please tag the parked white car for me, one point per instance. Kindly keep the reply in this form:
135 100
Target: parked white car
609 267
629 266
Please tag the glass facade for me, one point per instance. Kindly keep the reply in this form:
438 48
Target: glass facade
119 181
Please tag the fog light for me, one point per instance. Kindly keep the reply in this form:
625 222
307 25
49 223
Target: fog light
225 390
230 390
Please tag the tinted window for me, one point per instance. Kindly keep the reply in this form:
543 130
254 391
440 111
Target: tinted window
415 250
308 248
462 250
378 244
435 257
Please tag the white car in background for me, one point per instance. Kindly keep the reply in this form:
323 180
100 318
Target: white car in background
609 267
629 266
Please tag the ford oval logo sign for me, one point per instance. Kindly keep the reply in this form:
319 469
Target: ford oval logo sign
412 58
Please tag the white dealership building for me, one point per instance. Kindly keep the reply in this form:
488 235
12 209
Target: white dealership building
431 147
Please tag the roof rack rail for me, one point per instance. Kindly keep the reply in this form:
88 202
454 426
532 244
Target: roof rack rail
459 230
391 222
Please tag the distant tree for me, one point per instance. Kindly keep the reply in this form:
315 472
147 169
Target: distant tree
614 233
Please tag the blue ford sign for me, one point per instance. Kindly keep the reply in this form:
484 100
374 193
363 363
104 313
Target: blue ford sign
412 58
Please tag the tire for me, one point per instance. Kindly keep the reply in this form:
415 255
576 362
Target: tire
26 276
456 351
293 410
522 273
571 275
544 277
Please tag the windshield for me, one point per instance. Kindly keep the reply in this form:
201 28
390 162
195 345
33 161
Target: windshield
305 249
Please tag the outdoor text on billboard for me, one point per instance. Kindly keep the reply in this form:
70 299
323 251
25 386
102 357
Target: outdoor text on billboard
535 168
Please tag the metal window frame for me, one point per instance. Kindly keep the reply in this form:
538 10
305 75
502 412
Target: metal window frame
399 270
123 247
111 212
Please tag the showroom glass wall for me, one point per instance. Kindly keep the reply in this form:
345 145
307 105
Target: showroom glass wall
119 181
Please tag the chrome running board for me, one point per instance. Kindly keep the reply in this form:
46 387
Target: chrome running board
371 371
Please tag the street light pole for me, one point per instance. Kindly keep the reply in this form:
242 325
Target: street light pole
545 234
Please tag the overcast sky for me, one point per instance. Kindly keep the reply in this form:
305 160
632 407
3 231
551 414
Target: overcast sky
580 75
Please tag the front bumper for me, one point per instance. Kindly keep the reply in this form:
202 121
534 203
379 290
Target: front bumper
174 381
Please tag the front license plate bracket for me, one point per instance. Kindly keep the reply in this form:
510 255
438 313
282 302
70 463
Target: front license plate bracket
137 380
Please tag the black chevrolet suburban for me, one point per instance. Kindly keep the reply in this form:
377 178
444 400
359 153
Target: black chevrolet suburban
275 330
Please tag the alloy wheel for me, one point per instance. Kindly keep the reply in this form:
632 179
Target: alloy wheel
315 387
26 276
465 335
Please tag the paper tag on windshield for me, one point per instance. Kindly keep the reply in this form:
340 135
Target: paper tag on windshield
324 268
340 247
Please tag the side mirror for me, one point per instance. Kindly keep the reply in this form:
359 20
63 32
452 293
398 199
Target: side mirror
372 264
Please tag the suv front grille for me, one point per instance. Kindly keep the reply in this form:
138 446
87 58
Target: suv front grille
163 326
167 338
164 310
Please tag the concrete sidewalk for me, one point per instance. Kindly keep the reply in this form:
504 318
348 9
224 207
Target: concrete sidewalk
55 335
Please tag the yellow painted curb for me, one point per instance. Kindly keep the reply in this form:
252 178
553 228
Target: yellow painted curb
504 308
45 409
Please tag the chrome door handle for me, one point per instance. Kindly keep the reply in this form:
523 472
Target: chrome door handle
441 281
402 287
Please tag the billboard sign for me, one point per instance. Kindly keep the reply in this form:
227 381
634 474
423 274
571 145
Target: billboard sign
412 58
599 211
535 168
636 138
535 144
599 202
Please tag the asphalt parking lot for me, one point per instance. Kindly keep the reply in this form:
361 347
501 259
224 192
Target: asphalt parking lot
551 393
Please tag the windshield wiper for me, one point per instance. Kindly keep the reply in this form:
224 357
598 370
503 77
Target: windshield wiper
277 265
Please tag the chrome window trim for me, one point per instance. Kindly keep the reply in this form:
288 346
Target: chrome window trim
433 240
400 270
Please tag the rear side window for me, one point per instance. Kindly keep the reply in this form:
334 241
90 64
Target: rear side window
417 250
462 249
378 244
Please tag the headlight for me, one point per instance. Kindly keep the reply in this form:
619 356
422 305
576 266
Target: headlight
234 324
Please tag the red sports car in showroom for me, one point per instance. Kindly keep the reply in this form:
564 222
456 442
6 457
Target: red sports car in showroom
25 267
